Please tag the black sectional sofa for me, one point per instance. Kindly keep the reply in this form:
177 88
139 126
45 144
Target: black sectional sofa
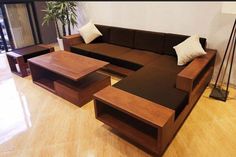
148 63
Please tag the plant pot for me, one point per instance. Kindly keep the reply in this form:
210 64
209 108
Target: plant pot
60 42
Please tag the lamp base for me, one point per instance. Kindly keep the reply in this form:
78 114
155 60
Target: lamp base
219 94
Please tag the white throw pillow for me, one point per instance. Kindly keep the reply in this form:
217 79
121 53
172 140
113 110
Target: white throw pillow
188 50
89 32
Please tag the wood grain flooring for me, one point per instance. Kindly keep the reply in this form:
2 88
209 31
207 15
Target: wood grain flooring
37 123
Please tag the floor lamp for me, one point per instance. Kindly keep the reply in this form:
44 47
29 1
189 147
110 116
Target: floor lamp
218 92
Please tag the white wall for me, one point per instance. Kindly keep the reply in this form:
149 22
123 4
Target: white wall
203 18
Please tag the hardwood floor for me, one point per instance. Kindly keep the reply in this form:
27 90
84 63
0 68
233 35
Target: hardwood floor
37 123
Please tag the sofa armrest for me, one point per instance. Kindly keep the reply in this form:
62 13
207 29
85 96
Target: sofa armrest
191 75
155 114
71 40
122 110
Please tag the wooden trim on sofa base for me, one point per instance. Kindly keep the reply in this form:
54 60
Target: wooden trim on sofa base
194 96
125 112
149 125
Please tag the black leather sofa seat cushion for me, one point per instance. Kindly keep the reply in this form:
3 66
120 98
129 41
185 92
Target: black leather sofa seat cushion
172 40
150 41
106 52
155 85
167 63
104 49
139 56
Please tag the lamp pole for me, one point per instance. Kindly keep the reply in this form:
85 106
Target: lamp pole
217 92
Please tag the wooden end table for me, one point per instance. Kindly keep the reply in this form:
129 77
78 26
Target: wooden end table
20 57
70 76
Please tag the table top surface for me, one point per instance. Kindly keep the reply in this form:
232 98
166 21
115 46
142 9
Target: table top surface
68 64
28 50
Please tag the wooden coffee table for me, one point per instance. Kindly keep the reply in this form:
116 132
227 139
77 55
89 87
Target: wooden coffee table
19 57
71 76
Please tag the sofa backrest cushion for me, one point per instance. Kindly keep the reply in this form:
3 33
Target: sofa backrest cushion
122 36
150 41
161 43
105 30
172 40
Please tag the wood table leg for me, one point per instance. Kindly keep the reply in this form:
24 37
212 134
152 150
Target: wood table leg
23 66
12 63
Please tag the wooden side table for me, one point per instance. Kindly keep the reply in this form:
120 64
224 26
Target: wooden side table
19 57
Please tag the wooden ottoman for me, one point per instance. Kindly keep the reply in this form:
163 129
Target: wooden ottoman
20 56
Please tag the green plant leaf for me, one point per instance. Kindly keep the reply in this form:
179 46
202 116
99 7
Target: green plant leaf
64 11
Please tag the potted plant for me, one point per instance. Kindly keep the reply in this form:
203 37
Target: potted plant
62 14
